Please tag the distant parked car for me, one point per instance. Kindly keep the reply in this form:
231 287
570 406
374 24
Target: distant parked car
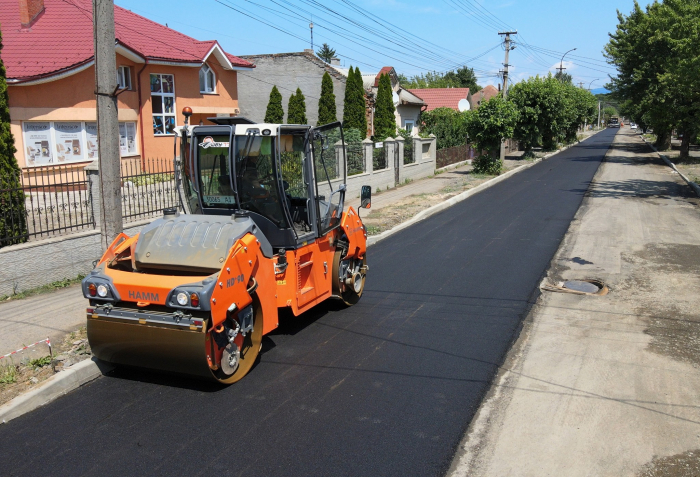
633 126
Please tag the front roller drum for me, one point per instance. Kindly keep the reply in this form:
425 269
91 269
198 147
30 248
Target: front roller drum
174 350
145 346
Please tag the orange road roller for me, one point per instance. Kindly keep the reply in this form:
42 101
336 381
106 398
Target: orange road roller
261 226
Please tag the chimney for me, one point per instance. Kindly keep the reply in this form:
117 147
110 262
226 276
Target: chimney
29 10
335 61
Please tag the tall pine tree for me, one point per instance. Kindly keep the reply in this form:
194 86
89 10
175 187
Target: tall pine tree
13 225
296 113
326 104
354 103
274 113
384 119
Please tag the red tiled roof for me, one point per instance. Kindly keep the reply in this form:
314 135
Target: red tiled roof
441 97
485 94
384 71
61 38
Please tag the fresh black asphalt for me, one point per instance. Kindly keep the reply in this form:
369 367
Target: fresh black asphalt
387 387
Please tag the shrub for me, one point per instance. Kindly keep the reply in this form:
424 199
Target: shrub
485 164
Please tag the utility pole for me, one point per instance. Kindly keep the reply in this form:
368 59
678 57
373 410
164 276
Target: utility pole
580 84
110 201
505 78
598 114
561 63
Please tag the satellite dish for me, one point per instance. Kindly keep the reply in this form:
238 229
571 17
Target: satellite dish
395 97
463 105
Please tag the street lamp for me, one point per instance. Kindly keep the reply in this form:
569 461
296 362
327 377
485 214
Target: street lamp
589 85
561 63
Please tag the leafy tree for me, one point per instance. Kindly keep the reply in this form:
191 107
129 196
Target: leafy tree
563 77
354 109
463 77
274 112
296 111
326 53
12 211
657 55
581 107
446 124
384 118
326 104
487 126
540 105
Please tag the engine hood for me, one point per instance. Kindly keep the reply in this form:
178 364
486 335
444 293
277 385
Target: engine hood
192 242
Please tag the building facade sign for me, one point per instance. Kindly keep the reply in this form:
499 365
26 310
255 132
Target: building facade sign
64 142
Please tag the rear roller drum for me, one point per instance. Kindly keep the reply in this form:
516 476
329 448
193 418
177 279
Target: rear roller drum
239 356
349 277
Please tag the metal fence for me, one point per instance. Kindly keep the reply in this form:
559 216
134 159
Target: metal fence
355 158
147 188
379 161
408 156
44 201
452 155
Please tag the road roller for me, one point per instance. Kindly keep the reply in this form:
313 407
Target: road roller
261 225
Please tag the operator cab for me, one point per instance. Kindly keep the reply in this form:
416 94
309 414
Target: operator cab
290 179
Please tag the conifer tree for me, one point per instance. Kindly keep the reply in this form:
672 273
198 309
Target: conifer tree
384 119
326 104
12 211
274 113
354 103
296 113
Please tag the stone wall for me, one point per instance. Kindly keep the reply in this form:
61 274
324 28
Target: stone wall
288 71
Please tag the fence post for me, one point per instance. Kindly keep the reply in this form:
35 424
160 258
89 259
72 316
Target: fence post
400 145
433 149
92 171
417 149
368 153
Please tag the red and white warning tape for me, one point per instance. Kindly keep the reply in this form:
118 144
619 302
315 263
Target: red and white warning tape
47 341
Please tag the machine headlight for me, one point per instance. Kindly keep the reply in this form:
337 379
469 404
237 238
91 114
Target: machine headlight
182 299
102 290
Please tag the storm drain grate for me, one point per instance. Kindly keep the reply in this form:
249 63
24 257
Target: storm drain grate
579 287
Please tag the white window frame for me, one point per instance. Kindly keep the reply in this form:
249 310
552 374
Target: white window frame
124 77
161 96
413 126
207 69
84 156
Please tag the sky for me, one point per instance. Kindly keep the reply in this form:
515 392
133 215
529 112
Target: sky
412 36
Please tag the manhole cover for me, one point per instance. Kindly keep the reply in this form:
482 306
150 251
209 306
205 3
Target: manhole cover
581 286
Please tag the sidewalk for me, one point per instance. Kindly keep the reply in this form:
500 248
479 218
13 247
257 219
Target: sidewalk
606 385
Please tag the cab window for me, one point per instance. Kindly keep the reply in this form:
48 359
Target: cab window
215 173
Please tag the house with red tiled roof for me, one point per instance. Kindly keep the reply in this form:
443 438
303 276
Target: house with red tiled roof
483 95
443 97
49 57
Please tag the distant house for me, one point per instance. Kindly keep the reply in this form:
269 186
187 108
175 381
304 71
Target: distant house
408 105
444 98
287 71
49 56
483 95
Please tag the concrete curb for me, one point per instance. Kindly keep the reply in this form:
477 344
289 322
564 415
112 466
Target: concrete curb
692 184
53 388
463 196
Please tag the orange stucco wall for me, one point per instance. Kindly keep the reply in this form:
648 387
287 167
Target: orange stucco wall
73 99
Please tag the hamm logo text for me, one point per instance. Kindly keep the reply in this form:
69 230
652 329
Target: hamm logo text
143 296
